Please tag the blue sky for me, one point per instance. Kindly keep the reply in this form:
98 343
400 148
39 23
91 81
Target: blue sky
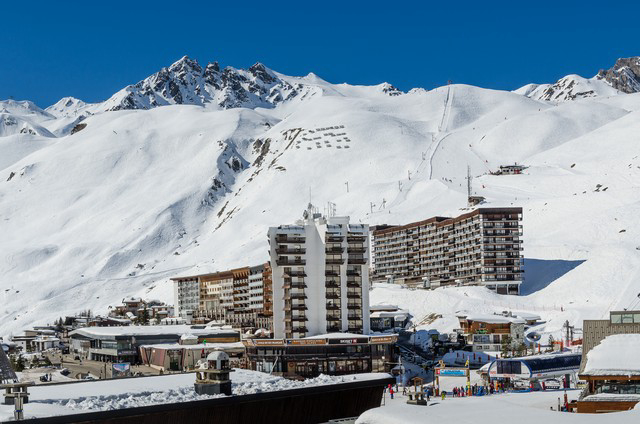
90 50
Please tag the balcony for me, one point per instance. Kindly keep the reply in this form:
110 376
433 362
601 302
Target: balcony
356 249
331 273
285 238
284 261
354 284
297 318
284 250
295 274
354 295
332 284
353 272
355 238
334 261
357 260
295 307
333 329
294 285
334 238
354 306
332 307
296 296
332 295
333 318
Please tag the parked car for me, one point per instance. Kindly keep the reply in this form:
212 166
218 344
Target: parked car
65 371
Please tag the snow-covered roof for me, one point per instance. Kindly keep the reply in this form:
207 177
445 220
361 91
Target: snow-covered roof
383 307
528 316
188 337
615 355
337 336
398 315
150 330
199 346
491 318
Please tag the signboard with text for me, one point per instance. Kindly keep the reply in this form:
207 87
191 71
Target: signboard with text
451 373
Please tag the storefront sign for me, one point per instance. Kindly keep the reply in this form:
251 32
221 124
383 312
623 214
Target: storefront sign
268 342
383 339
305 342
451 373
348 341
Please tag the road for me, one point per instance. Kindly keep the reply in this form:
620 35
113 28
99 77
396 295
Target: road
97 369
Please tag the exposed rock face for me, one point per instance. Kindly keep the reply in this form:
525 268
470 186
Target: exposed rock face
186 82
624 75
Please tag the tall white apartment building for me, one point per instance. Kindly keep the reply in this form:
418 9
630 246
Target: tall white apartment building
187 296
320 276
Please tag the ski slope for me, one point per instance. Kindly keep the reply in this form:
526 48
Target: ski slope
139 196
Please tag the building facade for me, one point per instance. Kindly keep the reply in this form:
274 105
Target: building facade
320 276
488 333
596 330
226 296
186 292
482 247
331 355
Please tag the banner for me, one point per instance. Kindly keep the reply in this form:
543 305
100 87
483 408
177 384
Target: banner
451 373
120 370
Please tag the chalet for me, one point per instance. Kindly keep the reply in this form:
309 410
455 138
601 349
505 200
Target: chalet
488 333
612 372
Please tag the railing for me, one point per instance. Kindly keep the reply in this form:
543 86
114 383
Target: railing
283 238
330 250
358 261
287 261
289 251
334 261
330 273
295 274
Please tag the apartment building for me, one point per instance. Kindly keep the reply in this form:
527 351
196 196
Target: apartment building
225 296
320 276
480 247
186 292
260 293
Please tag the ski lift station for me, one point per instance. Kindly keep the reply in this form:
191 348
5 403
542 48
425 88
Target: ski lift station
536 367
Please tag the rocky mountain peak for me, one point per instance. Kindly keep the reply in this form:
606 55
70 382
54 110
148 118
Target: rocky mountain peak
624 75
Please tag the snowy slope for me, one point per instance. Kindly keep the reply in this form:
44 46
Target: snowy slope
138 196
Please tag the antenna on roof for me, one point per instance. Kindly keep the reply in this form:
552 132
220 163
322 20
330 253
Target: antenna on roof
468 181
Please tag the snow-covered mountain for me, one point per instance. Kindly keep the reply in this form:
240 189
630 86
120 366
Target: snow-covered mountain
122 200
623 77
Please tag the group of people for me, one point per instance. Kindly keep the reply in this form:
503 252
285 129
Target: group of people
475 390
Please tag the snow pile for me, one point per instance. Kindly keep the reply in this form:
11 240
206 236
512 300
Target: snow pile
128 393
526 408
615 355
